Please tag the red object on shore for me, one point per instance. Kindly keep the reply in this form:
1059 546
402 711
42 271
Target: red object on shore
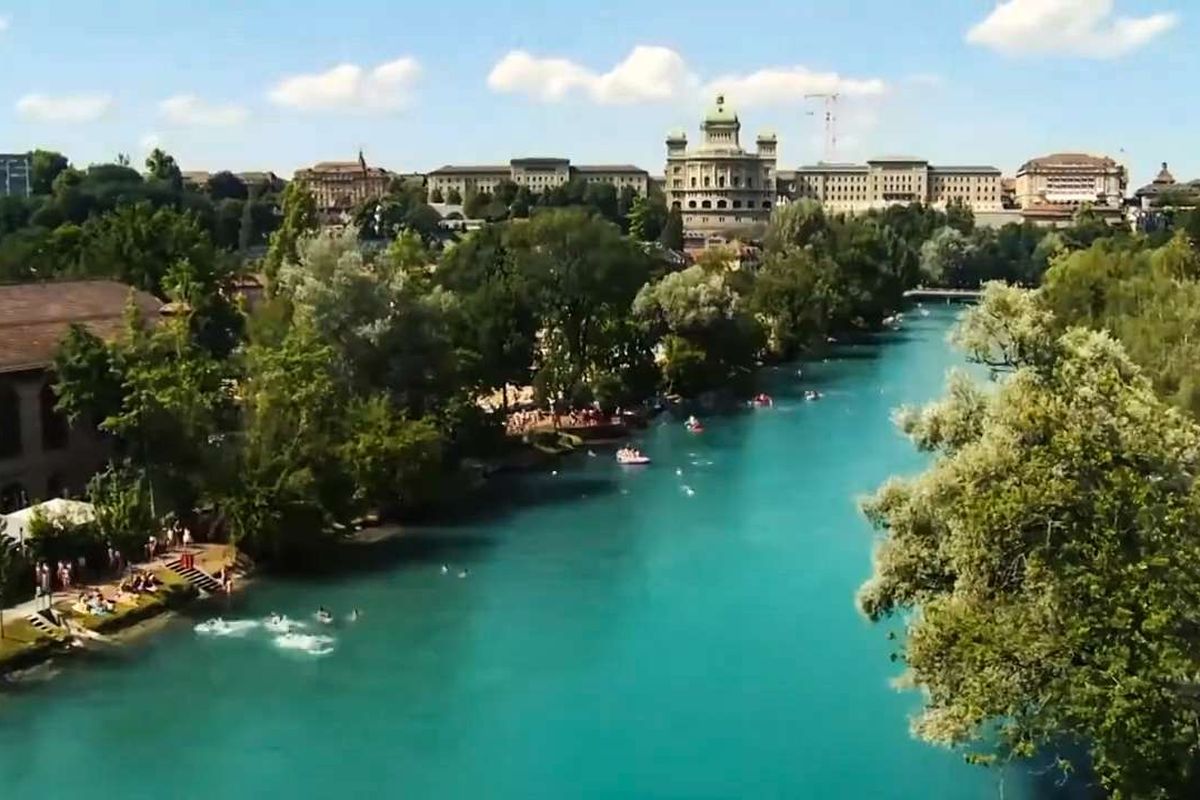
188 560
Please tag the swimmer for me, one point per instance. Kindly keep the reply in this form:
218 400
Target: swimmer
323 616
592 453
445 568
354 615
462 574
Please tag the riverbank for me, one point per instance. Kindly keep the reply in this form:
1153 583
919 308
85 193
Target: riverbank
32 635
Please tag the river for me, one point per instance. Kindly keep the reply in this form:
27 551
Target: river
683 630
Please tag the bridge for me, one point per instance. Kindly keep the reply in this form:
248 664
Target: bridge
947 294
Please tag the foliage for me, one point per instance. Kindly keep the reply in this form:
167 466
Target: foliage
392 461
299 211
1050 555
672 231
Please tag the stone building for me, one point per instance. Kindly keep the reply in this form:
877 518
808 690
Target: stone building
536 174
16 175
41 454
1164 190
719 185
1064 182
896 180
340 186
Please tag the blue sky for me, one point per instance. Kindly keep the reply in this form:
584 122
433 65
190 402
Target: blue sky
278 84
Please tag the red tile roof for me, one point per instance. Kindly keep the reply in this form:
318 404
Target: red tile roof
34 317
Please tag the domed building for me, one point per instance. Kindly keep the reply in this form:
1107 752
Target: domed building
718 185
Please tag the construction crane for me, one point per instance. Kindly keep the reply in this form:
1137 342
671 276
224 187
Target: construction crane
830 100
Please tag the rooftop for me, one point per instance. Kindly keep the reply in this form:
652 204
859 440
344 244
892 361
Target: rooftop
608 168
1074 160
34 317
463 169
539 162
720 113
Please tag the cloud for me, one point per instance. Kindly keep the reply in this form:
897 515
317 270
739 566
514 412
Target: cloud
1066 27
647 74
190 110
150 141
927 79
84 107
387 87
3 24
783 85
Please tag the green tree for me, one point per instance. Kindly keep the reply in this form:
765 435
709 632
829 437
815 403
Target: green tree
394 463
299 212
225 185
476 205
46 166
454 197
672 232
436 196
946 257
162 166
1049 555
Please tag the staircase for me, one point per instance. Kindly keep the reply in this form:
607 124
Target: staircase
44 625
195 576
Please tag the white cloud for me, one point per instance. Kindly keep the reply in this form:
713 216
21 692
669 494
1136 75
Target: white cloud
783 85
3 24
190 110
927 79
84 107
1066 27
648 73
387 87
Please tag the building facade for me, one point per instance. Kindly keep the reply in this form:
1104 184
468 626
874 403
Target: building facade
340 186
719 185
536 174
1065 182
16 175
894 180
42 455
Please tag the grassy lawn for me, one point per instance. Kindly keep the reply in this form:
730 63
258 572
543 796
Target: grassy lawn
20 637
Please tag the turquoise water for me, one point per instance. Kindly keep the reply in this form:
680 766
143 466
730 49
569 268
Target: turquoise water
621 633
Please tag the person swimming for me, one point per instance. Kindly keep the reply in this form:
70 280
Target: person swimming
354 615
462 574
323 616
445 568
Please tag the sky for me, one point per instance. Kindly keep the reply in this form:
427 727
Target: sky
280 84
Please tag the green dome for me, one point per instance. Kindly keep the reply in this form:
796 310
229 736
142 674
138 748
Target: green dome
720 112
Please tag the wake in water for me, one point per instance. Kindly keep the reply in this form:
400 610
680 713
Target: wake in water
223 627
311 643
277 623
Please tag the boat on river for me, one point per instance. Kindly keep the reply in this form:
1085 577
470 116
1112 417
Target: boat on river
630 456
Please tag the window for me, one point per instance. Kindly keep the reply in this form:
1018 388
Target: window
721 181
766 204
737 203
707 182
13 498
737 180
720 204
693 183
55 428
10 422
706 204
691 203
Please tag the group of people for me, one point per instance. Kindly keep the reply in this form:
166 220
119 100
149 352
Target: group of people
173 533
141 582
522 421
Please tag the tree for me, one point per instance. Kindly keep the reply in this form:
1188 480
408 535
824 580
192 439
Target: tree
626 199
672 232
602 197
945 258
89 384
647 218
395 463
959 216
506 191
299 212
797 295
476 205
1048 559
225 185
162 166
436 196
45 167
137 244
705 324
582 274
454 197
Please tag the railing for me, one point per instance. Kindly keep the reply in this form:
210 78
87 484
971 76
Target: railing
963 294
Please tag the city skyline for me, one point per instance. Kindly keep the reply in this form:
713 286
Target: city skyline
281 86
